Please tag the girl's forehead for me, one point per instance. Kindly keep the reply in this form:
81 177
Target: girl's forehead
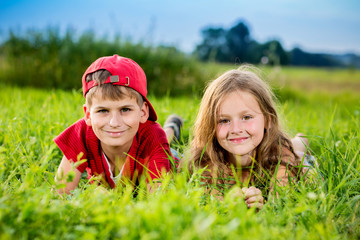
238 95
238 100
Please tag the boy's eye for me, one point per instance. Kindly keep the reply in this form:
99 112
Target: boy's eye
102 111
125 109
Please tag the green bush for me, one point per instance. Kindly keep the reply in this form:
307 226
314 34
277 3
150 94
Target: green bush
48 59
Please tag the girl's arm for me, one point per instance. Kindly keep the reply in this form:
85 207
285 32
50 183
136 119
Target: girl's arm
253 197
282 176
61 176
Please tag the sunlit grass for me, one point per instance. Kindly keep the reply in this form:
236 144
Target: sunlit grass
325 208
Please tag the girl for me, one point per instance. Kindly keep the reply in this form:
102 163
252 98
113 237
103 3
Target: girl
237 137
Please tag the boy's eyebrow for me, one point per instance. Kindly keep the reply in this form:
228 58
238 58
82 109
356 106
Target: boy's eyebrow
121 106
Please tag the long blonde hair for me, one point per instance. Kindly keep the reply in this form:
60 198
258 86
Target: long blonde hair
205 149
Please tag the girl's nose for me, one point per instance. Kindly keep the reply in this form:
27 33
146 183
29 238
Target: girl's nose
236 126
115 120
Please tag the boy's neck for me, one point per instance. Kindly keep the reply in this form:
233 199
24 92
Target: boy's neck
115 153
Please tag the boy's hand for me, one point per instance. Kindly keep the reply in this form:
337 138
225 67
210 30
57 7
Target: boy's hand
152 187
253 197
100 189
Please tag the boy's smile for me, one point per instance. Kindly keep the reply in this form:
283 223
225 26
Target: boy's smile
240 126
115 122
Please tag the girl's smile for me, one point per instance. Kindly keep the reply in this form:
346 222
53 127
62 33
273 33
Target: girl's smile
238 139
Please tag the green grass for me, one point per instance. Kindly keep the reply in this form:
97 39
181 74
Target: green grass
325 209
307 79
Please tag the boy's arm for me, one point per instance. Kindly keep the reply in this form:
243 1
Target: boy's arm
152 187
62 175
154 144
158 164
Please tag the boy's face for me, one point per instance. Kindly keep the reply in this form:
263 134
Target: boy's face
115 122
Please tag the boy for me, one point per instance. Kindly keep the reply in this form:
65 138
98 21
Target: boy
118 136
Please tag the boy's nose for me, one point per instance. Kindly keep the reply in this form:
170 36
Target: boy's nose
115 120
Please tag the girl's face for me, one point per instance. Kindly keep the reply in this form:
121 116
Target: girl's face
240 126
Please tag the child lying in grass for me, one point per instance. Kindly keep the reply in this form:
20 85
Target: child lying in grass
118 138
238 138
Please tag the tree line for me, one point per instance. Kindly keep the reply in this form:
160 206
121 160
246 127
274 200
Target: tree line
50 59
236 45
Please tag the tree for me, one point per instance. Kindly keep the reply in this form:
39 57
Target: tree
224 45
236 45
238 41
301 58
213 47
275 53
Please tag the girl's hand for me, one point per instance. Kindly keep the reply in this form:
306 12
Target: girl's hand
253 197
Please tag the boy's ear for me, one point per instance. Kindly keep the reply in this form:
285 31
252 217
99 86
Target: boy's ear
87 115
144 112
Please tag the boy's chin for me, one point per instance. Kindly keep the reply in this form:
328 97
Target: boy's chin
115 143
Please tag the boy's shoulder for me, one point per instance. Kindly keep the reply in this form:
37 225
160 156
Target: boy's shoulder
79 129
150 138
150 129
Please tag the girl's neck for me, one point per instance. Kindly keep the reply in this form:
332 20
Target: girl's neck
242 160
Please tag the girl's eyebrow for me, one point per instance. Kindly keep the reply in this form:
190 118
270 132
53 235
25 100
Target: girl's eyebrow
233 112
247 112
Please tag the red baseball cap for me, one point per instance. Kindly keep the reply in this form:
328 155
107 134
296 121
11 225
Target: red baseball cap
124 72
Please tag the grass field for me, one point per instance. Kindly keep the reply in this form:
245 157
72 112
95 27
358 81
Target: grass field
324 209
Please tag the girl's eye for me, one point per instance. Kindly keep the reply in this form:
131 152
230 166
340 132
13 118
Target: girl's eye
247 117
224 121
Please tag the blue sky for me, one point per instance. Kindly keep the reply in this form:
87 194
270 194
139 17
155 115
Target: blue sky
331 26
